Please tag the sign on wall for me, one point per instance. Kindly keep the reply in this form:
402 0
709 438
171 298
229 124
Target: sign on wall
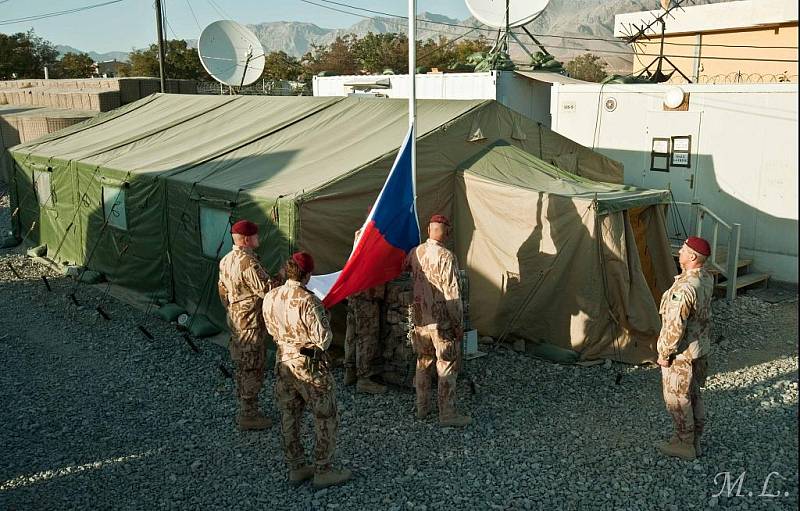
670 152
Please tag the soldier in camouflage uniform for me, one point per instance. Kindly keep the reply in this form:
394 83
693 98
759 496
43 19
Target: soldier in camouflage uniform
298 322
242 285
362 342
683 348
438 322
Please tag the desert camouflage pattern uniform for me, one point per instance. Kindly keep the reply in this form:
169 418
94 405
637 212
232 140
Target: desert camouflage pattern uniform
296 319
362 341
242 286
686 339
438 322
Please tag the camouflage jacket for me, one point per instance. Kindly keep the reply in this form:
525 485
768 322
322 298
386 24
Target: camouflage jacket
437 298
686 316
374 293
242 285
296 319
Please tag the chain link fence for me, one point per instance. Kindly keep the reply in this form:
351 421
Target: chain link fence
262 87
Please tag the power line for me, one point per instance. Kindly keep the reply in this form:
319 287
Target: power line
189 5
57 13
557 36
609 52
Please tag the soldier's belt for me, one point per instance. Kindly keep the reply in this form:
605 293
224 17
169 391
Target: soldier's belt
311 352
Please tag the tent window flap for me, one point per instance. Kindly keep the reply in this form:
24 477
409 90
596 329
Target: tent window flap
215 232
114 207
44 190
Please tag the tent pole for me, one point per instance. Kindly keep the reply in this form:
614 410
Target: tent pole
412 96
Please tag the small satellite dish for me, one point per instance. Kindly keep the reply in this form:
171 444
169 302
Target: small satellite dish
493 12
231 53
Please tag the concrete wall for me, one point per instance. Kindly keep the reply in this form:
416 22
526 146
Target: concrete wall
743 161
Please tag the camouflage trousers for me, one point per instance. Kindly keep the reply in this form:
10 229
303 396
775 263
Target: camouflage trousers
297 384
436 354
361 344
681 384
249 354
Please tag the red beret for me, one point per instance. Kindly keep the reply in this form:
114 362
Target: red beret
699 245
304 261
439 219
244 227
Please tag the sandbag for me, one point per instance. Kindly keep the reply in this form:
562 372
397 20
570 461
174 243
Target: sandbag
199 326
38 251
170 312
552 353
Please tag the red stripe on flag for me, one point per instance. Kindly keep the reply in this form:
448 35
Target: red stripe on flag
373 262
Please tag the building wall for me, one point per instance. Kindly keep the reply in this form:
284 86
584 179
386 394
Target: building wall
744 153
705 62
524 95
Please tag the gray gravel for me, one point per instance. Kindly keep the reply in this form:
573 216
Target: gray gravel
94 415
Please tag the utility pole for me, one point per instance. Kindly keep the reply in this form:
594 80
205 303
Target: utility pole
160 28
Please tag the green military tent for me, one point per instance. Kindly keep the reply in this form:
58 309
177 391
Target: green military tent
145 193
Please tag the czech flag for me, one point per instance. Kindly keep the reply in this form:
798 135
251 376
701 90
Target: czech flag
390 232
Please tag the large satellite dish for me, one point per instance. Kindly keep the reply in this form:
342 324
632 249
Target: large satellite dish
231 53
493 12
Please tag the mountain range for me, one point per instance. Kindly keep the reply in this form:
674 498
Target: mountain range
578 26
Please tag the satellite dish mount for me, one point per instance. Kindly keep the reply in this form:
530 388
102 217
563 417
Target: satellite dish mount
506 15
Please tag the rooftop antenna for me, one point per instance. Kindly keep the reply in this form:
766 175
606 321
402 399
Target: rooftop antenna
646 31
231 54
507 14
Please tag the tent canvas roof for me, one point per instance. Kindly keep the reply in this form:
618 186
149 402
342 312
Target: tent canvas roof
510 165
270 146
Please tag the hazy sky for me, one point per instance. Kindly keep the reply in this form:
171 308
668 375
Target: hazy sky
131 23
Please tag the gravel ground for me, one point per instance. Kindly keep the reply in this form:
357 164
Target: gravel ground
95 415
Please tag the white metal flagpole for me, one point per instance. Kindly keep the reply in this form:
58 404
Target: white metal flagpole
412 96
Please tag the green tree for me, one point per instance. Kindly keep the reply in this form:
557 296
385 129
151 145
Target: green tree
180 61
377 52
446 54
280 66
74 65
587 67
25 55
337 57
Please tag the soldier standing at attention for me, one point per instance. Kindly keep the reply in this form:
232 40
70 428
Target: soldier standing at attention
242 286
683 348
298 322
361 343
438 322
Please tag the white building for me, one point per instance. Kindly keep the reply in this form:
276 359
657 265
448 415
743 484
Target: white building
732 148
527 92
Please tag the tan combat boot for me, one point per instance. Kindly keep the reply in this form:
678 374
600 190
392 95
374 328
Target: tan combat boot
455 420
367 386
672 440
683 449
255 422
350 376
298 475
331 477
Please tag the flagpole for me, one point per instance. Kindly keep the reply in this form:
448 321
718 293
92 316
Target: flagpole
412 96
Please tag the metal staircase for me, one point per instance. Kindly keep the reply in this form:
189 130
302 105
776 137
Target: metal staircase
730 273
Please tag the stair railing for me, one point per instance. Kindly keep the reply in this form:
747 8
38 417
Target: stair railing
734 230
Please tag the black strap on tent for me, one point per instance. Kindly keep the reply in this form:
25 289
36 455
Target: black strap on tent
541 149
205 287
93 250
676 216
